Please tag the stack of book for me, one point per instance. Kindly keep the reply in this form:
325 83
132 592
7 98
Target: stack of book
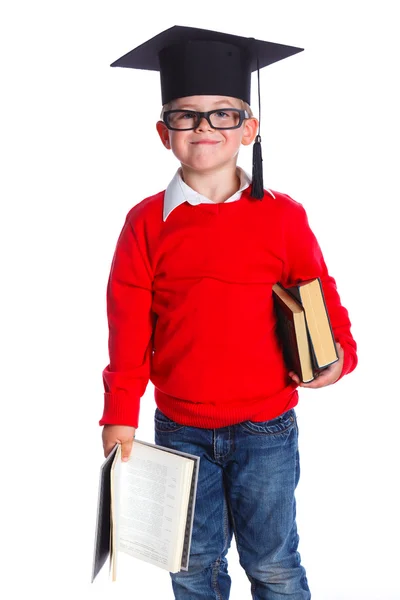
304 328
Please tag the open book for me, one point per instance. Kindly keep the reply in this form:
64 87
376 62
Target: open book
304 329
146 507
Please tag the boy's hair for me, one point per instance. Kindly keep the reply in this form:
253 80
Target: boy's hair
244 104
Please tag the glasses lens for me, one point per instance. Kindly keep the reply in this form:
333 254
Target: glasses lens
225 118
182 119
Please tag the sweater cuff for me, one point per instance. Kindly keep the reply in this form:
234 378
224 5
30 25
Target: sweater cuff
119 411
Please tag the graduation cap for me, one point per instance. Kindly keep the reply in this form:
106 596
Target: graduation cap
200 62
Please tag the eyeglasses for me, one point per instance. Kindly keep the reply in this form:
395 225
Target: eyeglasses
222 118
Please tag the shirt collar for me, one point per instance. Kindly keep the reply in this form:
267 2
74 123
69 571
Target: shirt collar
179 192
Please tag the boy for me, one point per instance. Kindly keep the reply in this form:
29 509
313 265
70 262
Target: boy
190 307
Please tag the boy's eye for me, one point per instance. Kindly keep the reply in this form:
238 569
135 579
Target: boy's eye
182 119
221 114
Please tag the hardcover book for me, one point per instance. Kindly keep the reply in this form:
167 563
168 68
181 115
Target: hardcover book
323 347
146 507
292 332
304 328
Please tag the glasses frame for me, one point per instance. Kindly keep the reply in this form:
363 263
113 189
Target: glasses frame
243 114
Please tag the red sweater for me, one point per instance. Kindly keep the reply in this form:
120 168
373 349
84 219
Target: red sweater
190 308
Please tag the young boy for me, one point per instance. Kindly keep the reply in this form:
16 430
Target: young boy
190 308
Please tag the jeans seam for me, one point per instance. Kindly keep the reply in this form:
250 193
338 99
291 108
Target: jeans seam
214 579
252 586
217 564
230 444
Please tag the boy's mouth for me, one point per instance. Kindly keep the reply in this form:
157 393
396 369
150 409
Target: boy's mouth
210 142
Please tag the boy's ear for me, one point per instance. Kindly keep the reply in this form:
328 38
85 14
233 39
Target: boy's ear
163 132
250 129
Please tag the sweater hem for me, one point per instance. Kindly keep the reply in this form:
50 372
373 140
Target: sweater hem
208 416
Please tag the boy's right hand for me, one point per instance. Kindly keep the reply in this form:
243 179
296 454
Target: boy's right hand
118 434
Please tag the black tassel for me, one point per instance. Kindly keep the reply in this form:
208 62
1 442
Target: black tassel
257 188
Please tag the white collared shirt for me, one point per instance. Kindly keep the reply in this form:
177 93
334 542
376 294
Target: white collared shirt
179 192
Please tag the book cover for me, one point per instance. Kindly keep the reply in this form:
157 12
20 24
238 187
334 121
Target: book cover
102 543
292 333
146 507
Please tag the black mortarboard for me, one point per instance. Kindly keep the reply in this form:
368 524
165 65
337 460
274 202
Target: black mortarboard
199 62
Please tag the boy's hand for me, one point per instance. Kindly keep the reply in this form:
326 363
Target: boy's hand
118 434
327 376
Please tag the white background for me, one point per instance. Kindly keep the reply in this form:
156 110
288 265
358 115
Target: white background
78 149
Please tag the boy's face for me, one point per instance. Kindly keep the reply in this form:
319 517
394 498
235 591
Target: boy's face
206 149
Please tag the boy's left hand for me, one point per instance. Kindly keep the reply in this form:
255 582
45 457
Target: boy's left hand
327 376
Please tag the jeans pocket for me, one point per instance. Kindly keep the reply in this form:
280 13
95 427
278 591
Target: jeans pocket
163 424
282 424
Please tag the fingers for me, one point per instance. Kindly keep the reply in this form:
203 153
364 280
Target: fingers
325 377
126 449
118 434
107 449
295 377
320 381
108 442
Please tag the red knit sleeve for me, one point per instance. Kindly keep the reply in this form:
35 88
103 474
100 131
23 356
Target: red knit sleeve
304 260
129 301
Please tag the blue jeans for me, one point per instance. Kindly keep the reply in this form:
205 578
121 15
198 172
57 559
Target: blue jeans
247 479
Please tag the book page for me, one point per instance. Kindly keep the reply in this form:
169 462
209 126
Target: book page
318 323
152 493
192 493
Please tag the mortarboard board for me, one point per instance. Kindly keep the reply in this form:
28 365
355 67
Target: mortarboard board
198 62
